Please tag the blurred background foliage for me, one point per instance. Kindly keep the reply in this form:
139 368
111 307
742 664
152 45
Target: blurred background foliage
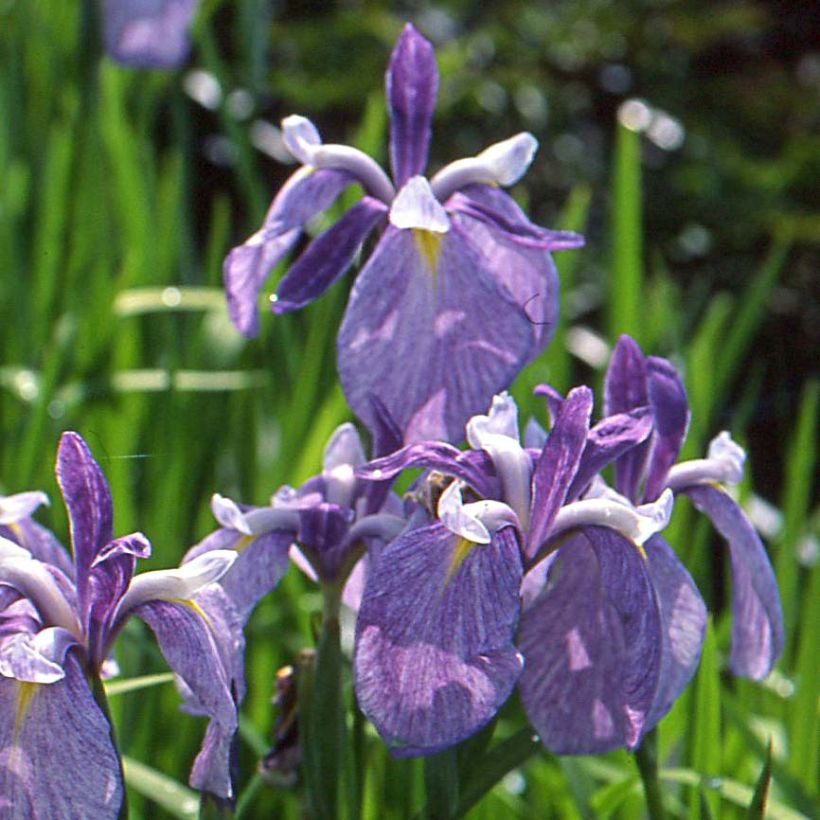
680 136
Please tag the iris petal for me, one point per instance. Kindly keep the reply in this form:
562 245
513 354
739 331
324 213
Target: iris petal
434 658
592 647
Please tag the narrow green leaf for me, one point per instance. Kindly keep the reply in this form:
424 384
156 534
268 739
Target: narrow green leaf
441 785
501 759
176 799
121 687
705 733
626 237
757 807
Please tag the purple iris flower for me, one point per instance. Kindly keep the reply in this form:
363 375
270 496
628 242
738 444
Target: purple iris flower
460 291
536 572
59 617
148 33
436 652
324 527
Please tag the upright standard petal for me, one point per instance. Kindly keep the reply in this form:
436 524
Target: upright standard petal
434 658
90 514
683 625
56 754
411 85
625 389
429 333
757 620
592 647
148 33
557 465
670 408
306 193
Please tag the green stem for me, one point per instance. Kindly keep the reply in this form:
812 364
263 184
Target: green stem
646 757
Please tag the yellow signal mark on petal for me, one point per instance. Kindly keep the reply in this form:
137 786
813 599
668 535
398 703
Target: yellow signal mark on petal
462 550
244 541
428 244
25 694
194 607
642 551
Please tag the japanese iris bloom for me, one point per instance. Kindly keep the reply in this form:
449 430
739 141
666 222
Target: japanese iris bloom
148 33
460 291
549 579
323 526
59 617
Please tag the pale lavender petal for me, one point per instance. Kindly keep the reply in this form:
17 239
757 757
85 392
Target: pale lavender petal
525 271
328 256
20 506
757 619
625 388
592 647
557 465
429 333
683 624
148 33
670 408
36 657
189 644
474 466
305 194
434 658
492 206
41 543
88 501
56 754
607 441
411 85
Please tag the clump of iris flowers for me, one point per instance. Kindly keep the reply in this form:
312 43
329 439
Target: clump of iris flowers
459 293
59 617
533 571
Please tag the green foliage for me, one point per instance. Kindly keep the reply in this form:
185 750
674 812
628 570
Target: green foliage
120 196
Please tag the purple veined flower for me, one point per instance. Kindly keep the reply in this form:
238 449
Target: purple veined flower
148 33
459 292
59 617
527 575
324 527
633 379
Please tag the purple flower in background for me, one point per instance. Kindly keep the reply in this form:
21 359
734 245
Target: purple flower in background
458 294
523 538
59 618
148 33
641 474
324 526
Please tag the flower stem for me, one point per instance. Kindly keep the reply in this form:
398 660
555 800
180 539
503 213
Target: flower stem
646 757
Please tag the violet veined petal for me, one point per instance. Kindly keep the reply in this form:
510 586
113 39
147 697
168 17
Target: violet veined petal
428 332
670 408
557 465
148 33
625 388
434 659
553 399
189 644
88 501
525 273
607 441
683 625
261 563
56 754
322 535
327 257
386 438
306 193
757 620
475 467
411 85
592 647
